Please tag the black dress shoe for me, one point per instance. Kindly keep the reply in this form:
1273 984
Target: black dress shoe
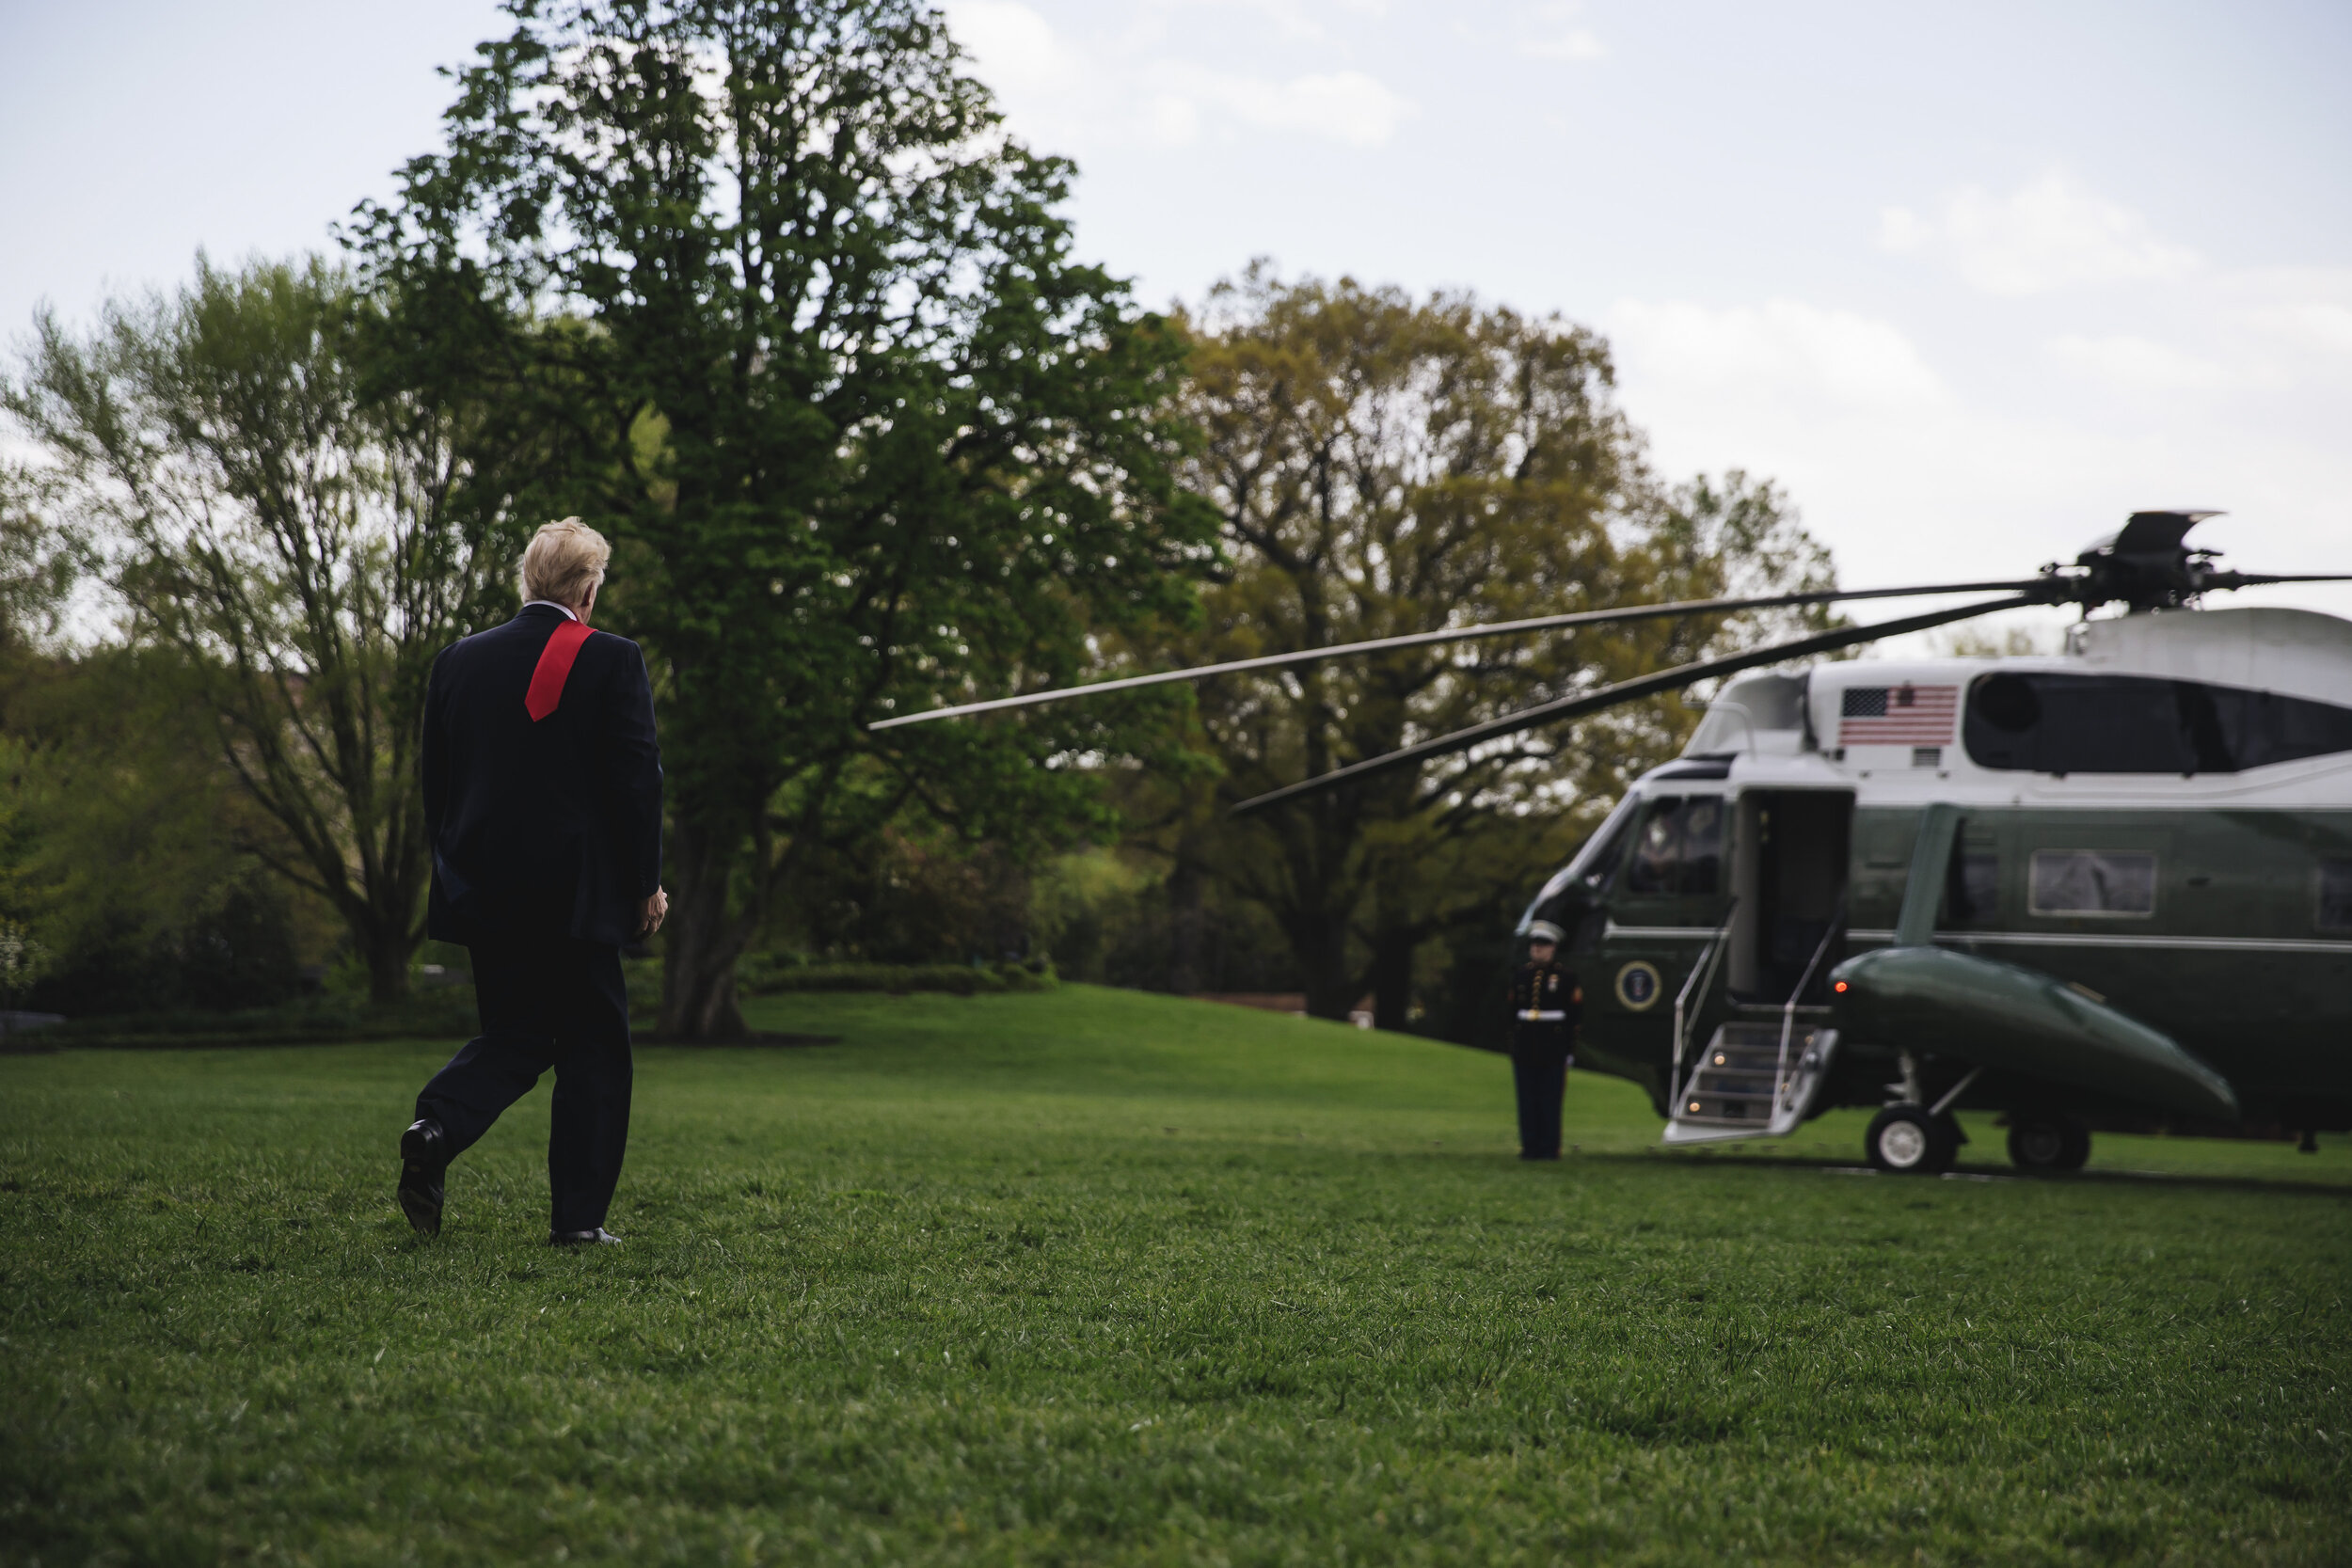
599 1237
423 1162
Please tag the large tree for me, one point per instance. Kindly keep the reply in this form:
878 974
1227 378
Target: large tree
868 434
37 575
1386 465
278 505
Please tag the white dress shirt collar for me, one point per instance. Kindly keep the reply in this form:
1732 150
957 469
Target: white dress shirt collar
567 610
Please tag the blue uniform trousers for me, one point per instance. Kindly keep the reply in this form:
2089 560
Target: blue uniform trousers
1539 1070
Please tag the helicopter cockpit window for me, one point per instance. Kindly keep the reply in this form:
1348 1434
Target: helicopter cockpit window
2093 881
1681 848
1601 863
2050 722
2335 895
1569 895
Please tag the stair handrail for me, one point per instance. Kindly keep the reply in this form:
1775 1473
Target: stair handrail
1707 957
1789 1008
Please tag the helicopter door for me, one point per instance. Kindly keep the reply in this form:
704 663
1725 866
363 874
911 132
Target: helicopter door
1788 869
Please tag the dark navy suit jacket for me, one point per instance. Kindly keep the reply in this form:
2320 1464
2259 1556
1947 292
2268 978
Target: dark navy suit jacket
550 828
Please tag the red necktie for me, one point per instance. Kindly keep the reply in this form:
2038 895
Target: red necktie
555 668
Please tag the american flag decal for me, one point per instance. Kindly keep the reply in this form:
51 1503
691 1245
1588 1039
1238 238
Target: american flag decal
1897 715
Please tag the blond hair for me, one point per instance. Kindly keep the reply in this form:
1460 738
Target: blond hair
564 560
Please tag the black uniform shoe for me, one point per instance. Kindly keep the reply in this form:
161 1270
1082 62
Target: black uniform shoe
599 1237
423 1162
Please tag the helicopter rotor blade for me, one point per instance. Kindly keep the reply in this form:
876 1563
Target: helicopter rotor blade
1457 634
1625 691
2261 580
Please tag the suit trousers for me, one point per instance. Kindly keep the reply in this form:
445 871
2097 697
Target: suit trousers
546 1002
1540 1073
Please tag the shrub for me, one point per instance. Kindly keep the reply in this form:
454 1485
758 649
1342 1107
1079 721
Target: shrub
447 1012
768 978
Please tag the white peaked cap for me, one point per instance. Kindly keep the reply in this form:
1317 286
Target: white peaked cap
1544 930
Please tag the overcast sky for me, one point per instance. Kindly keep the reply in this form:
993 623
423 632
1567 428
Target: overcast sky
1971 281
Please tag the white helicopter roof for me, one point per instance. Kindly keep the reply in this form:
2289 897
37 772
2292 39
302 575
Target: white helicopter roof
1797 728
2295 652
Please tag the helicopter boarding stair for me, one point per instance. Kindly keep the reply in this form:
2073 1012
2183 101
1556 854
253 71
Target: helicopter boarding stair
1762 1068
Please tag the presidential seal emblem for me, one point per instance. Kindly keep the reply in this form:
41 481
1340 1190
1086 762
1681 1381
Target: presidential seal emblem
1639 986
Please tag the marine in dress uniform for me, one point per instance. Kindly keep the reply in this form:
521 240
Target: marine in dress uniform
1545 1001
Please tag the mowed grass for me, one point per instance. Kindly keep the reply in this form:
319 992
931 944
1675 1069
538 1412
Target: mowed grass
1098 1277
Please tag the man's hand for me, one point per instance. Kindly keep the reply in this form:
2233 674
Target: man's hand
656 910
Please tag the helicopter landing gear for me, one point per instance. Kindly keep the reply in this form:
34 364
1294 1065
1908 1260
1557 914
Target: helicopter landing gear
1904 1138
2043 1142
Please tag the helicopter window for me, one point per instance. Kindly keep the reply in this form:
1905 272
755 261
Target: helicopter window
1680 848
1602 863
2335 895
2094 882
2047 721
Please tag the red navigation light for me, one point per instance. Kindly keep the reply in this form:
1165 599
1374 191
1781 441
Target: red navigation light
1839 986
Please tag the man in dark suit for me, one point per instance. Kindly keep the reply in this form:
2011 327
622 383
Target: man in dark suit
543 804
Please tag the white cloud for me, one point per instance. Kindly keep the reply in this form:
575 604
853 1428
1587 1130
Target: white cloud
1347 106
2313 324
1780 350
1133 83
2048 234
2282 336
2136 364
1014 47
1577 45
2304 313
1963 464
1552 32
1172 120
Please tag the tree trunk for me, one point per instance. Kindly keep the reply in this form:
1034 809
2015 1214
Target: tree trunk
700 939
387 950
1392 951
1394 941
1322 950
1187 919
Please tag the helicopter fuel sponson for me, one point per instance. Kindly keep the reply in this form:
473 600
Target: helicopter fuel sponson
2115 882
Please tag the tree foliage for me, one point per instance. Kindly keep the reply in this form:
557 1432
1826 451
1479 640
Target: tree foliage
1386 465
38 563
868 434
303 530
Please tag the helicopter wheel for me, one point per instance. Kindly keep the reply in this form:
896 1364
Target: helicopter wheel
2044 1143
1904 1139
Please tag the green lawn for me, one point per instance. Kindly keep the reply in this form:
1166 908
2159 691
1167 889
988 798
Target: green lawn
1092 1276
